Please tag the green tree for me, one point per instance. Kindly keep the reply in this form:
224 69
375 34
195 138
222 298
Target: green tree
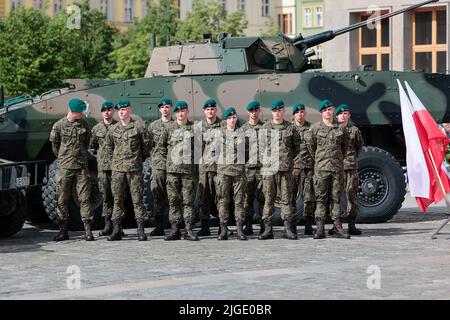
272 30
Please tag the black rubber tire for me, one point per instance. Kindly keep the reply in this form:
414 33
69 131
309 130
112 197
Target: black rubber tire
13 223
36 212
378 167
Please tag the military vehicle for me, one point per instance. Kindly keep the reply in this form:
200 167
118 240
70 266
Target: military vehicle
234 71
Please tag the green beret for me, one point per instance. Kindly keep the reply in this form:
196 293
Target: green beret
180 105
210 103
277 104
77 105
325 104
297 107
123 104
253 105
165 101
343 107
229 112
106 105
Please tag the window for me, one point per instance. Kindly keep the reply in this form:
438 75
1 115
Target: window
129 14
319 17
104 7
265 8
241 6
307 21
224 5
57 6
285 23
430 39
374 43
318 49
16 3
37 4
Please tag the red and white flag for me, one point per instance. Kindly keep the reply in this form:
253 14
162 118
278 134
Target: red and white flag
426 145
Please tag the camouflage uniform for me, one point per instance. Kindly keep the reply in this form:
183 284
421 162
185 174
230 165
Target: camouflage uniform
130 145
350 182
303 174
158 180
97 144
173 142
253 170
70 142
327 146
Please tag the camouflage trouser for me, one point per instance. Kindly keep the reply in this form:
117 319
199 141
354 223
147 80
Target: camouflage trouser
254 187
328 190
278 184
231 188
135 181
64 181
351 191
208 195
158 187
181 194
104 180
304 186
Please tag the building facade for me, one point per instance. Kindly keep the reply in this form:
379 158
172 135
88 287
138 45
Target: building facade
415 40
310 20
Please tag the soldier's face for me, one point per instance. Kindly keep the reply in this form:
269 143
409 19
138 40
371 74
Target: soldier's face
254 114
182 114
210 113
165 110
278 114
107 114
446 127
300 116
343 117
75 115
231 121
124 113
328 113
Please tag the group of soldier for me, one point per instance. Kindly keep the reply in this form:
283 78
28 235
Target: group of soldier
270 161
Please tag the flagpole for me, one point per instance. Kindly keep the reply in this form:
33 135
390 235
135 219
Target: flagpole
436 173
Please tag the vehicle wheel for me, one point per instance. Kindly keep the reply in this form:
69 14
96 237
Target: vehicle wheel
13 211
382 186
49 200
36 211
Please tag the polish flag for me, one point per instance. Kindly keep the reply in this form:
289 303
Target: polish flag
426 145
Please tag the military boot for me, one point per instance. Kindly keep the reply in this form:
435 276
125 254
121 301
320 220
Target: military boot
309 231
293 225
241 231
223 231
352 228
159 226
204 231
268 232
188 234
88 236
261 227
320 230
107 230
63 234
288 234
140 230
116 234
174 231
248 227
339 231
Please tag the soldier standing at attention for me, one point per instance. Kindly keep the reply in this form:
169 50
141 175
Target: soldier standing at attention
231 175
354 148
282 145
208 164
253 166
97 145
177 144
303 170
328 145
158 179
129 143
70 138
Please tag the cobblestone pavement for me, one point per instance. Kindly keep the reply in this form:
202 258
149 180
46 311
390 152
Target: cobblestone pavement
409 264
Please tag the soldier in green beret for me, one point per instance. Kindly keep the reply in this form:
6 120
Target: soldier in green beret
327 142
210 129
130 145
231 175
70 138
176 145
303 170
282 145
97 145
354 148
158 179
253 175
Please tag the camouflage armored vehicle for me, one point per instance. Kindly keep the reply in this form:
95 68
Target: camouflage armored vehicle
234 71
